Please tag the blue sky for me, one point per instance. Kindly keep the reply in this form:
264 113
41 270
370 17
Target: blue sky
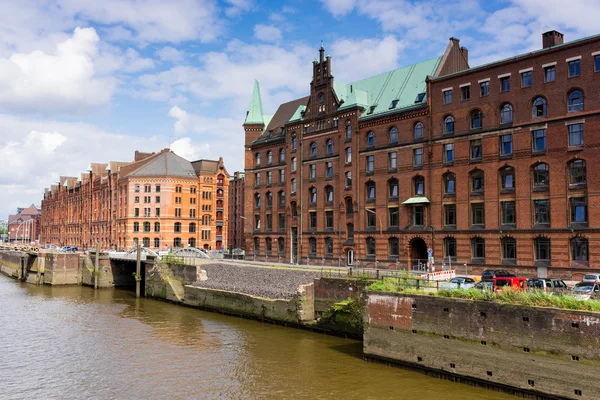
88 80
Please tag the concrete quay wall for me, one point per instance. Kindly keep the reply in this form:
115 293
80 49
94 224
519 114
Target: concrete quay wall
551 353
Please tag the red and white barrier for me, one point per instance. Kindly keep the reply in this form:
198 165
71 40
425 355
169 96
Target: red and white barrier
440 276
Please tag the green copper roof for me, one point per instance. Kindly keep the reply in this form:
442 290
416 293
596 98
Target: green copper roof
401 86
298 114
255 112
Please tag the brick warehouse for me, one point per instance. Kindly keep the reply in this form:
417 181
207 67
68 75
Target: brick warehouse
487 166
159 200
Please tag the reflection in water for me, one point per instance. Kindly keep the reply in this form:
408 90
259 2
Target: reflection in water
74 342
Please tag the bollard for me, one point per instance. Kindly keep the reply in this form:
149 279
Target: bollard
138 271
350 271
377 276
96 265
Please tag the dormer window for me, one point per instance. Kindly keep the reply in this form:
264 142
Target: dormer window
394 104
420 97
371 109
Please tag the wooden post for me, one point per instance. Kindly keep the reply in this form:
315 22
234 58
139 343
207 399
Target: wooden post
138 265
96 265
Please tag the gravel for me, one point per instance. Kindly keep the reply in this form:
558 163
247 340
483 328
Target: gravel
273 283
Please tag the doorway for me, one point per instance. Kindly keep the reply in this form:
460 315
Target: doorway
418 254
294 247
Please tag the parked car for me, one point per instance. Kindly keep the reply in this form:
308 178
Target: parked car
547 284
591 278
461 282
490 274
484 285
586 290
512 283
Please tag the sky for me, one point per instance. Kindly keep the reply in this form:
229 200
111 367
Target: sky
92 81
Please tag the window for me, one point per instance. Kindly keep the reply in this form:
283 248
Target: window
370 247
526 79
577 172
506 114
450 215
269 178
293 164
257 160
418 158
136 199
420 97
146 242
578 210
370 164
541 176
542 249
329 195
509 249
269 200
576 135
371 218
269 226
392 160
574 68
257 222
393 188
136 226
269 157
450 183
293 184
418 131
478 248
257 179
281 246
550 73
268 246
257 200
294 143
449 124
328 169
541 212
157 227
177 227
257 245
596 63
157 189
350 231
370 191
192 227
393 134
157 212
449 152
313 149
329 220
146 226
484 88
539 107
157 199
329 146
137 188
575 101
478 214
538 140
509 215
450 248
348 155
476 149
328 246
370 139
281 176
348 131
156 242
505 84
507 176
348 179
394 217
579 249
312 172
312 220
477 181
313 196
476 119
282 155
281 199
394 247
448 96
506 145
294 208
419 186
418 216
349 207
465 91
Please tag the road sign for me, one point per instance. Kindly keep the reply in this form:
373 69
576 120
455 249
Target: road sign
429 251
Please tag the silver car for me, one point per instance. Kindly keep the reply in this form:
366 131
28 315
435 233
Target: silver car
586 290
460 282
591 278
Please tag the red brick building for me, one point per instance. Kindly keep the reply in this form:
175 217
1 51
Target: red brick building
489 166
24 226
236 217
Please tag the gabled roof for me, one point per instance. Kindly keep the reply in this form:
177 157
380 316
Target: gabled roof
283 114
255 111
165 163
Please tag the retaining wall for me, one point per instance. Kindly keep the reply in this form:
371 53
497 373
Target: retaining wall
10 263
545 351
329 291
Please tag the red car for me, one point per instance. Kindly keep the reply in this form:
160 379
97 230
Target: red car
514 283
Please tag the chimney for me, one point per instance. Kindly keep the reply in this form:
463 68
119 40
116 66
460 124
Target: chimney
465 53
552 38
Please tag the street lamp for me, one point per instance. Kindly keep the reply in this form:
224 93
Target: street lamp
380 223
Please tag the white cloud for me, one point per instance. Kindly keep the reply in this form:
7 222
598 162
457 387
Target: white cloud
170 54
238 6
189 150
267 33
339 8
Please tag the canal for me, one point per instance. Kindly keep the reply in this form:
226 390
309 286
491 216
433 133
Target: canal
77 343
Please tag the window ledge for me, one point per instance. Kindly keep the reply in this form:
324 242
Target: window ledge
347 140
348 188
575 148
541 226
349 164
449 195
475 160
393 198
477 193
542 263
446 134
508 226
575 186
538 153
418 139
449 228
370 173
392 170
540 188
507 191
476 227
578 225
478 260
370 201
393 229
509 262
448 164
417 167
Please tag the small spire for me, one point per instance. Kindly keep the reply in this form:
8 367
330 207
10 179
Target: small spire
255 112
322 45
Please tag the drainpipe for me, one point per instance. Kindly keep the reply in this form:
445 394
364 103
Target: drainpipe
300 191
429 156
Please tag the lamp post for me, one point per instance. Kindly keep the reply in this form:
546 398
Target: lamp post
380 223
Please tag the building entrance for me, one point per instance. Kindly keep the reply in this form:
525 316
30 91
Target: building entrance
418 254
294 247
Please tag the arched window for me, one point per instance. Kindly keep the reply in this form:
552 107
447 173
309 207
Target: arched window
539 107
192 242
370 246
269 200
370 139
313 149
269 157
257 200
157 242
312 246
477 181
294 208
256 245
506 114
348 155
393 247
370 186
542 249
147 227
450 249
328 195
350 231
294 143
136 241
419 183
177 242
449 124
579 249
177 227
257 160
328 246
268 246
192 227
329 146
157 227
575 100
348 176
349 207
281 246
449 183
507 178
393 188
313 195
146 242
476 119
478 248
509 249
577 173
393 134
541 176
348 130
282 155
281 200
418 131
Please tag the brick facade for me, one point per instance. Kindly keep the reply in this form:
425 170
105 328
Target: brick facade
235 224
